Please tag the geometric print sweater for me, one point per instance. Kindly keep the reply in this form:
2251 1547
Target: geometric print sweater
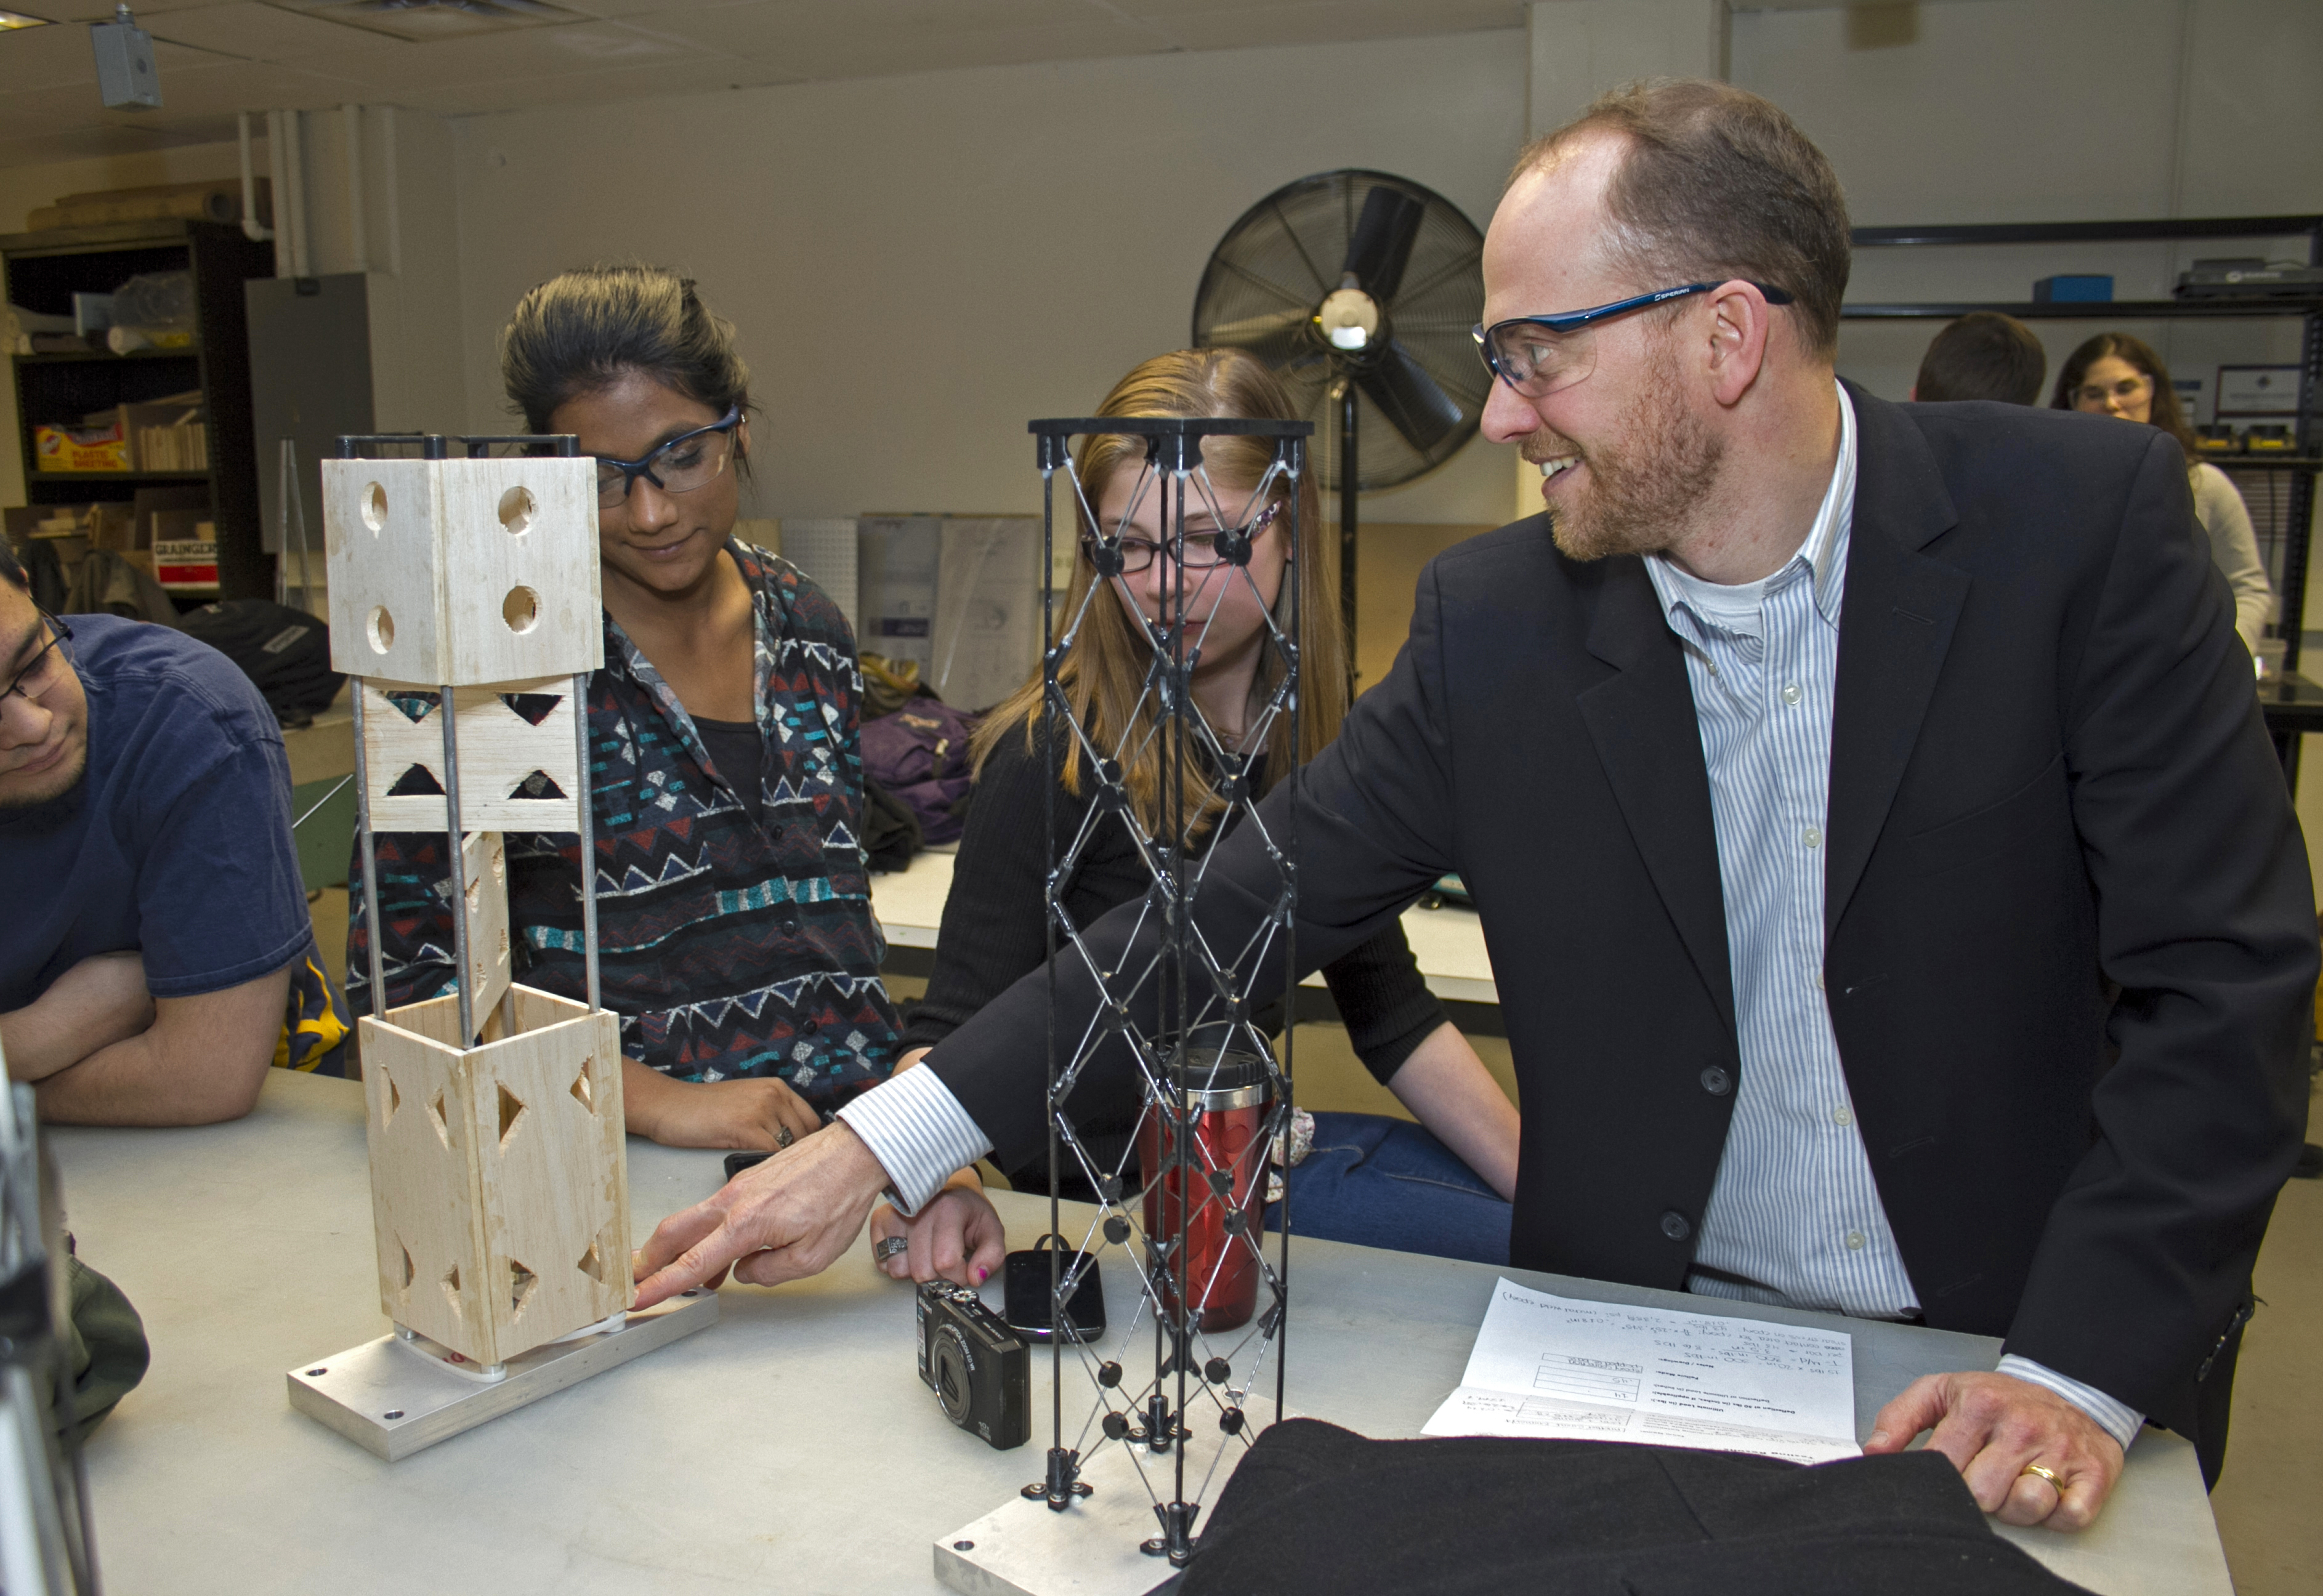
729 947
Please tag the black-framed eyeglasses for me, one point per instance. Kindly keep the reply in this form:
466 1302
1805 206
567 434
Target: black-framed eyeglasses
1201 550
1538 354
39 674
681 466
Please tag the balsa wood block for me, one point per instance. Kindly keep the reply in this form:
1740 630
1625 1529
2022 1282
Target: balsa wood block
393 1397
502 751
491 964
463 571
500 1189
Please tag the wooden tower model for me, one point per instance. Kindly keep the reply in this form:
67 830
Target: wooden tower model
463 599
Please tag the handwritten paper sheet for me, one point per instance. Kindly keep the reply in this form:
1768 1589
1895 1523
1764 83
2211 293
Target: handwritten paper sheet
1551 1366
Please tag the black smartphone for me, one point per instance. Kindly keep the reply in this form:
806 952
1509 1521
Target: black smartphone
1025 1295
736 1162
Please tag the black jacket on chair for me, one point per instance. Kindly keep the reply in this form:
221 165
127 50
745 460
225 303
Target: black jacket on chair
2050 780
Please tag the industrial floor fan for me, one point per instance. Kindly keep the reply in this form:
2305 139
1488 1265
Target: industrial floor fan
1358 291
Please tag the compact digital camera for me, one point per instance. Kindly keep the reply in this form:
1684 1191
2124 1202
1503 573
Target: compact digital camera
980 1369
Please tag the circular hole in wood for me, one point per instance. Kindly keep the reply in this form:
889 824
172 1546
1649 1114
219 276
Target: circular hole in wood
520 609
517 510
374 507
392 1413
312 1373
381 629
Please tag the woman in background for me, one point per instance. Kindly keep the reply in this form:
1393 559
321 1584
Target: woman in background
734 926
1443 1188
2114 374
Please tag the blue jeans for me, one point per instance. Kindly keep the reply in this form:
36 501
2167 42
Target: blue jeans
1382 1182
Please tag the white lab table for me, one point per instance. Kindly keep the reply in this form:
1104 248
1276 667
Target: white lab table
789 1447
1448 943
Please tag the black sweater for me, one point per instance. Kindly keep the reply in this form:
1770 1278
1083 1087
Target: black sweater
993 919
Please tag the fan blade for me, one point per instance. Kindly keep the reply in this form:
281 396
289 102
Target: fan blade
1381 242
1276 338
1410 400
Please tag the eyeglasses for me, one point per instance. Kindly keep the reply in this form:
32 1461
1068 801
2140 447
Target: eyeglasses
679 466
1199 551
1538 354
39 672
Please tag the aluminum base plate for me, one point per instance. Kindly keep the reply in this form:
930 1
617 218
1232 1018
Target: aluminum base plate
1024 1548
393 1396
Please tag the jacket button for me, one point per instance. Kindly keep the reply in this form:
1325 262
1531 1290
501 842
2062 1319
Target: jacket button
790 925
1673 1226
1716 1081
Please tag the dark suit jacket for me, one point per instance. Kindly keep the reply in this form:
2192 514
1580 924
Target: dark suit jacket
2049 780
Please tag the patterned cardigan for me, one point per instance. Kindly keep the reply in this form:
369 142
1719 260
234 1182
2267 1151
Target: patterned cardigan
729 947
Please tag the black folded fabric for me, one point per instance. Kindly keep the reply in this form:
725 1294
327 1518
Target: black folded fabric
1316 1508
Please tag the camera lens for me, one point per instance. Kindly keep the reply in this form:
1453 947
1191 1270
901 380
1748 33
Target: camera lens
950 1362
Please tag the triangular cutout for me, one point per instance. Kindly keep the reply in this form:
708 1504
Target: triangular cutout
539 785
443 1125
409 1270
416 706
591 1265
451 1287
533 706
394 1102
581 1094
521 1281
511 1109
418 781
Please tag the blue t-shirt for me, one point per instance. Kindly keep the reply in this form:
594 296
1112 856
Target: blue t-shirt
177 841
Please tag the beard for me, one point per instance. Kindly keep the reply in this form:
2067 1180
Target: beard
1641 489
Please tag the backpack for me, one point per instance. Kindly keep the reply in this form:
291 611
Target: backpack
919 755
286 652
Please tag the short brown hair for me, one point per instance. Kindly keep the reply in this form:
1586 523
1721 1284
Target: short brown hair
1983 355
2167 413
1718 183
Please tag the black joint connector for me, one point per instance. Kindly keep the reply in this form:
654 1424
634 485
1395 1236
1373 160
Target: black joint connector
434 446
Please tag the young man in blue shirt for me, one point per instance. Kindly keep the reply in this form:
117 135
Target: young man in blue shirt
154 907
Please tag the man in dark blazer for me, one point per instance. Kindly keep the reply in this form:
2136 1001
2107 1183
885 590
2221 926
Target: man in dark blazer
1896 904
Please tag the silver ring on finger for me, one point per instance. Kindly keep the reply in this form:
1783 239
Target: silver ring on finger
783 1137
883 1250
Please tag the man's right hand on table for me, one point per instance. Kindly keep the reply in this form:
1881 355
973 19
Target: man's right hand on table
782 1220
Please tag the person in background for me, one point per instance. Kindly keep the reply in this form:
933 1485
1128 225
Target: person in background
1440 1187
734 920
2115 374
156 920
1983 355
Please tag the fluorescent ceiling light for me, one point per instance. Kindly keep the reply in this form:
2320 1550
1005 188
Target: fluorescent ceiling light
17 19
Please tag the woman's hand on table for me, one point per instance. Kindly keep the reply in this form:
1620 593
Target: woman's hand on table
759 1115
957 1236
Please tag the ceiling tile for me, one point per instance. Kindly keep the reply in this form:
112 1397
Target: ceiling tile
512 59
38 58
267 33
696 75
1205 24
877 37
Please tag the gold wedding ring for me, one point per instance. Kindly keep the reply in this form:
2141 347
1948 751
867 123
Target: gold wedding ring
2045 1472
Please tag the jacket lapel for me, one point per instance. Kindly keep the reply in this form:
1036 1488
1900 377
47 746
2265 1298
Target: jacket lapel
1642 720
1896 625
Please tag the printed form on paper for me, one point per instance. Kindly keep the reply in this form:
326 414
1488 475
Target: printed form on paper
1551 1366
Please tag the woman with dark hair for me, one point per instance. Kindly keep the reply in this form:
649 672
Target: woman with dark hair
1442 1185
734 927
2114 374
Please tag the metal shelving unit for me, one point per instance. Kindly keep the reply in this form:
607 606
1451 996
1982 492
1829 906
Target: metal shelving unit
2292 704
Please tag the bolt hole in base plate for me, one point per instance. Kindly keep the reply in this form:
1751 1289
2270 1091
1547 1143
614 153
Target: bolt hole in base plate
353 1392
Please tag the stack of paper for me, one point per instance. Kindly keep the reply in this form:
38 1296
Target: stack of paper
1551 1366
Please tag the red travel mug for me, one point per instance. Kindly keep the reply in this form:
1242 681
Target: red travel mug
1218 1200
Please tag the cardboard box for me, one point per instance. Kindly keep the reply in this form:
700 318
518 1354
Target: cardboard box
188 565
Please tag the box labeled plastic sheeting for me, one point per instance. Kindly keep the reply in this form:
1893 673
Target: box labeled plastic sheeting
2084 289
63 449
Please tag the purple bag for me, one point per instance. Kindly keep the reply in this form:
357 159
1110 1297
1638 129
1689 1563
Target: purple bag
919 755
